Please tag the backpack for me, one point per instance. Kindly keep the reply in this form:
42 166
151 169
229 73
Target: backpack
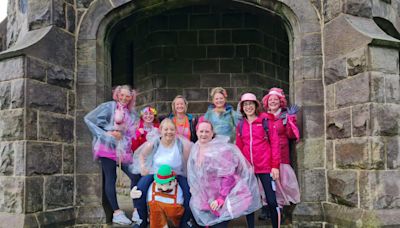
264 123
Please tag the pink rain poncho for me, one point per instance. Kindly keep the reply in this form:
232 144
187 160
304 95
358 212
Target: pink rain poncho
219 171
110 116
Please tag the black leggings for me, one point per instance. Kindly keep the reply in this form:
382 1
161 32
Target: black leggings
109 168
269 188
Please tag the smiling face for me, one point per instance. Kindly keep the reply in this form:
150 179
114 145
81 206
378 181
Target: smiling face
124 96
219 100
167 129
180 106
274 103
204 132
148 117
249 108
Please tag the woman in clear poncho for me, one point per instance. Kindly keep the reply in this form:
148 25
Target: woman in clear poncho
113 125
221 181
165 148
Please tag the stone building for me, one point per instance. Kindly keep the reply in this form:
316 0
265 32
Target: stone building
337 59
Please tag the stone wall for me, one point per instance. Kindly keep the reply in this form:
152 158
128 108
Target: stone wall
191 50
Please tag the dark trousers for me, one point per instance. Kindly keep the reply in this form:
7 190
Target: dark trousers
109 168
141 203
269 188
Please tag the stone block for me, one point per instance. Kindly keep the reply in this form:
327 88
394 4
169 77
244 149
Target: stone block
231 66
198 107
19 156
162 38
213 80
206 66
58 191
83 135
377 154
60 76
311 44
83 3
310 67
46 97
309 92
70 18
305 211
361 8
247 36
34 194
88 190
55 128
86 72
85 163
158 22
338 124
91 215
11 124
206 37
204 21
96 13
357 62
377 87
392 89
330 98
71 103
7 161
5 95
68 159
43 158
355 90
223 36
178 21
35 69
171 66
12 194
17 93
313 185
239 80
167 94
57 218
31 124
393 152
342 185
39 14
86 52
352 153
330 145
384 60
59 14
86 97
242 51
190 52
310 153
341 215
385 119
187 37
220 51
379 190
232 20
361 120
195 94
311 123
12 68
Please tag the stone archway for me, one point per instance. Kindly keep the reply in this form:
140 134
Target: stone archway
306 89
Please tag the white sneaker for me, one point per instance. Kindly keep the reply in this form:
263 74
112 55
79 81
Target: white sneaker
136 218
121 219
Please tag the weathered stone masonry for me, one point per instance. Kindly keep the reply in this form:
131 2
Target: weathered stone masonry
343 69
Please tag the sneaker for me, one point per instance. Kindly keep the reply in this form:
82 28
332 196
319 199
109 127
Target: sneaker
121 219
136 218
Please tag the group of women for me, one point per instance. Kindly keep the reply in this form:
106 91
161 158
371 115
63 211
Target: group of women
220 181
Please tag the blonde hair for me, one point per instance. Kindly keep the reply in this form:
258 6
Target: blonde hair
174 101
166 121
218 90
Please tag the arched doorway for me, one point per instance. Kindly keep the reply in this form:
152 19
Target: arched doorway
298 69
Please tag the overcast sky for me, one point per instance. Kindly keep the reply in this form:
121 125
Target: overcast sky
3 9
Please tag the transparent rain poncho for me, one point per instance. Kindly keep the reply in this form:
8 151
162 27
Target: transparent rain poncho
220 172
101 120
145 155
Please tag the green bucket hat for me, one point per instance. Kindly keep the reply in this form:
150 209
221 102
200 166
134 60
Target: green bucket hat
164 175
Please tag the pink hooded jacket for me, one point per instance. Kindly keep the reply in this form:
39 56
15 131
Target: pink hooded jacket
285 132
261 153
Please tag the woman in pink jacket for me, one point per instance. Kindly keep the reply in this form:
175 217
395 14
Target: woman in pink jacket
257 138
285 121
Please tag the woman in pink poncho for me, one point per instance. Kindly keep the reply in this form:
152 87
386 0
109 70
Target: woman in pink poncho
221 181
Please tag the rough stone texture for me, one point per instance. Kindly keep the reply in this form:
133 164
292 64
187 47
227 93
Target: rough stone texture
84 159
352 153
335 70
11 194
59 191
342 185
355 90
59 76
308 212
330 146
90 215
68 159
88 190
34 194
392 89
378 190
385 119
31 124
330 103
60 218
12 68
357 62
311 123
361 120
332 9
5 95
312 184
36 69
377 153
50 161
338 124
309 92
393 152
362 8
343 216
17 93
11 124
377 84
384 60
83 3
55 128
39 13
7 154
46 97
310 153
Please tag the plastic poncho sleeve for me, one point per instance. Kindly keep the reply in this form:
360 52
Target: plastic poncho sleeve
292 131
274 142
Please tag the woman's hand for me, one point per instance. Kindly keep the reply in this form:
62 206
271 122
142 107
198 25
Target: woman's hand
144 171
275 173
216 204
116 134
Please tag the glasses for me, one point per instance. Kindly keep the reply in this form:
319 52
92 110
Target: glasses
248 103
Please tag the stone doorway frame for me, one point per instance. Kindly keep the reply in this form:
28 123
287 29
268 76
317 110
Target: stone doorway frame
93 80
